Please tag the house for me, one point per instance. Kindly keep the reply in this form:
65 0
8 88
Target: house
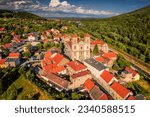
94 91
61 70
54 63
78 48
122 91
96 68
135 75
13 60
108 77
75 67
54 81
78 79
32 37
2 63
66 38
102 46
131 98
3 30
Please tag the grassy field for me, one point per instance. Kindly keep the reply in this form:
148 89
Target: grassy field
23 89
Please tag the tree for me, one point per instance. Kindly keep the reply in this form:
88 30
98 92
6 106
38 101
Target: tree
27 54
39 46
75 96
95 51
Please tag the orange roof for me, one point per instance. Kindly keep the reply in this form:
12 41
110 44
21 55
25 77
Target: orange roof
58 58
74 36
100 59
131 98
7 45
80 74
13 55
57 69
103 97
110 55
2 61
107 76
45 40
89 84
122 91
76 66
87 35
98 42
131 71
49 67
2 29
47 55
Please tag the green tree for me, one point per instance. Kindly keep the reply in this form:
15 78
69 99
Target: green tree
95 51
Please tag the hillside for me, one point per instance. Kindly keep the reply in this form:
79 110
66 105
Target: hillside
129 32
15 14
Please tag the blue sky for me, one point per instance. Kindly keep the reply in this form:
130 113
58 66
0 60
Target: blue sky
74 8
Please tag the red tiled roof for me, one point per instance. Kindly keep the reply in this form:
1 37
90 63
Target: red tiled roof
13 55
57 69
2 61
31 35
80 74
76 66
2 29
131 98
7 45
103 97
56 80
49 67
58 58
87 35
98 42
45 40
100 59
110 55
69 43
47 55
89 84
74 36
122 91
107 76
131 71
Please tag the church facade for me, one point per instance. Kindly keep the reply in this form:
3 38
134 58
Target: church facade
78 48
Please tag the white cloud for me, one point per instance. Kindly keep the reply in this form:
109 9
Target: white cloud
54 6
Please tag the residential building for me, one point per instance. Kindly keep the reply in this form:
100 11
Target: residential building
78 79
108 77
102 46
94 91
77 48
96 68
135 76
13 60
122 91
32 37
54 81
2 63
75 67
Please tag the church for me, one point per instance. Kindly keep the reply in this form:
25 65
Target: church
77 48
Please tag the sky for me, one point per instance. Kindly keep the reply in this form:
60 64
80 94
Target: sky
74 8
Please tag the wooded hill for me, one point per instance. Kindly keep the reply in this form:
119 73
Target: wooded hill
129 32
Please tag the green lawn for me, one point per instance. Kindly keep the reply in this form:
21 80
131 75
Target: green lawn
23 89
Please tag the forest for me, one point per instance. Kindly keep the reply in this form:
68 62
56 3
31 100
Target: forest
129 32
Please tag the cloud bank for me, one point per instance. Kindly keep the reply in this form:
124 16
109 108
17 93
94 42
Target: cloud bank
52 7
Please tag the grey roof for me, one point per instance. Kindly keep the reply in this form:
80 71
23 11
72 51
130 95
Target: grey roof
96 93
11 59
99 66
